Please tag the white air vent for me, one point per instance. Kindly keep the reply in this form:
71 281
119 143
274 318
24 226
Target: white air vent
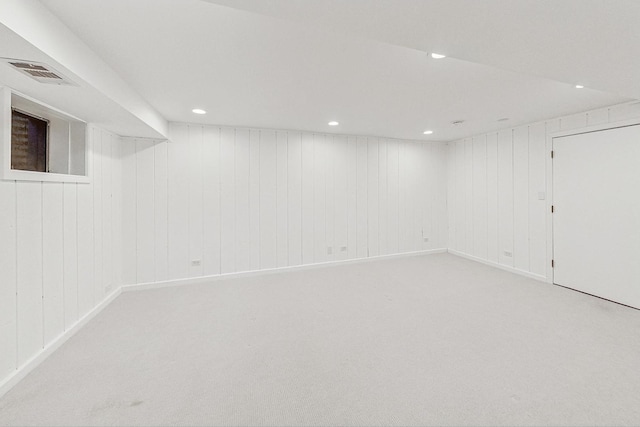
38 71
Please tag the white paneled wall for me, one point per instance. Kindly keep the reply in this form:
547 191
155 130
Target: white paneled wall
59 253
222 200
497 191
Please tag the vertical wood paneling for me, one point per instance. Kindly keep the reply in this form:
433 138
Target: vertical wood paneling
8 255
352 199
440 153
29 270
319 198
53 261
537 199
71 308
492 198
373 231
468 185
505 202
227 201
294 198
145 211
452 179
116 210
107 220
98 213
330 208
521 198
268 190
47 254
178 195
129 222
254 199
243 223
362 227
282 242
461 194
480 238
393 166
341 204
196 221
426 182
86 245
211 200
308 247
160 210
383 218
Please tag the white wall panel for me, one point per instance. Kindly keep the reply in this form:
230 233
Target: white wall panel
211 200
29 270
8 255
160 210
47 254
294 198
98 214
308 247
319 198
268 194
341 198
492 198
53 261
479 189
107 222
145 211
227 201
260 199
196 221
282 241
373 232
178 202
129 215
71 307
242 218
521 198
518 177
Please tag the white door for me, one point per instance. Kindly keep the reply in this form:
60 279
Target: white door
596 219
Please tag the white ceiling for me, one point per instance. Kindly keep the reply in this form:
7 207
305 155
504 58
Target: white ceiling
81 100
363 62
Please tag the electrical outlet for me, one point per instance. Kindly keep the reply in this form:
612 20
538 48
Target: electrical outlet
508 254
329 250
343 249
195 263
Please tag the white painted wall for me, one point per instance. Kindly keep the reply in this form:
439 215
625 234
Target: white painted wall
253 199
59 253
493 186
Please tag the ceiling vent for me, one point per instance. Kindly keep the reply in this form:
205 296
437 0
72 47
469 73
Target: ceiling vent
38 71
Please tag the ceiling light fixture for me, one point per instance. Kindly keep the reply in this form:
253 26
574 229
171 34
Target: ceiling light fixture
333 123
438 56
427 132
579 87
199 111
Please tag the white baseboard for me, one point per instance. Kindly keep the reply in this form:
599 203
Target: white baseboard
31 364
253 273
500 266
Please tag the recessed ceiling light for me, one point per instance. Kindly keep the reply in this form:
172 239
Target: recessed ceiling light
579 87
333 123
427 132
438 56
199 111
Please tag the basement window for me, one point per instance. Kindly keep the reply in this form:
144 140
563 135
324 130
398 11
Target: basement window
44 144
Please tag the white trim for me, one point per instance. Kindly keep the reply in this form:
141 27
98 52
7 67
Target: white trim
500 266
31 364
595 128
9 174
254 273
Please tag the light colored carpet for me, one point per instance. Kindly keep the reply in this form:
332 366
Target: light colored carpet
429 340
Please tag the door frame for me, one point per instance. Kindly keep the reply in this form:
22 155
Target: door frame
549 177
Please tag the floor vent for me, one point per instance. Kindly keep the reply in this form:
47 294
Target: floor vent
38 71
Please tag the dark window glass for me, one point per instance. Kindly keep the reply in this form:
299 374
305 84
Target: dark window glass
28 142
